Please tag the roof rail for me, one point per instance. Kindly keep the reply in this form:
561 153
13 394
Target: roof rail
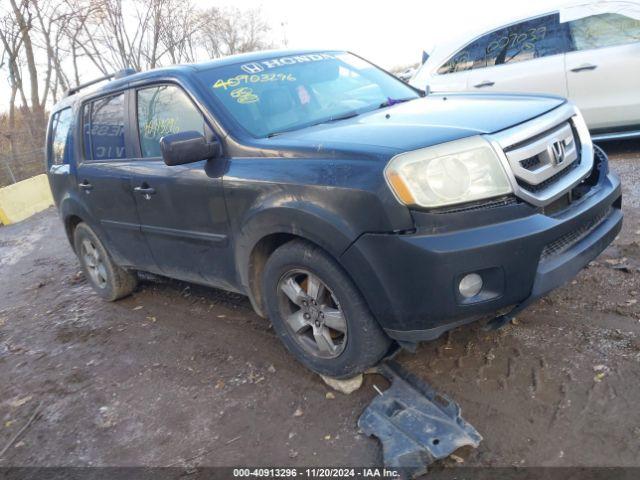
119 74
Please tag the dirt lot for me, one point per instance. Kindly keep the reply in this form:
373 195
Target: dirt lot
182 375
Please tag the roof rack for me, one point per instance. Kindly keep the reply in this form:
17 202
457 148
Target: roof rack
119 74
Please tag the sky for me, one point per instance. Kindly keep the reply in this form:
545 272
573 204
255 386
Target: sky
390 33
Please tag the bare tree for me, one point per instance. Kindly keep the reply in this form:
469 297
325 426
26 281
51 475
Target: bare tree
32 38
46 46
179 37
148 34
229 31
10 59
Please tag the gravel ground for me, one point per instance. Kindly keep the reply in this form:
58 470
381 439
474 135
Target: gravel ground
182 375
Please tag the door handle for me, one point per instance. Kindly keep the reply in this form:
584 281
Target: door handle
145 190
486 83
86 186
584 67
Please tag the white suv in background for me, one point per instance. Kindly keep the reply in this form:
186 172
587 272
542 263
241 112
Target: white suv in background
589 53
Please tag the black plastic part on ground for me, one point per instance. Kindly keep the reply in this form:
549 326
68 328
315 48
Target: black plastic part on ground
415 424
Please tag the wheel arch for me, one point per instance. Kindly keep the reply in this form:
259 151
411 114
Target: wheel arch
72 213
70 224
271 228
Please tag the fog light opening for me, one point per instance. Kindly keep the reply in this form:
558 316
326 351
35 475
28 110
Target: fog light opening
470 285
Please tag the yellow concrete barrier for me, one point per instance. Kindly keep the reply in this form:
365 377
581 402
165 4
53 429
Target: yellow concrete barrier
23 199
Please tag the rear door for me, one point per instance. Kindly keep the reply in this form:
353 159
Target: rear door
182 209
603 70
104 179
524 57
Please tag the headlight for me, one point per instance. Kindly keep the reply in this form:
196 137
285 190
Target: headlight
455 172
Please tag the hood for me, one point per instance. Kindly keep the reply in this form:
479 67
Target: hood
423 122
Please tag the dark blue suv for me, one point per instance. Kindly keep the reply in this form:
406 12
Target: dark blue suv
353 210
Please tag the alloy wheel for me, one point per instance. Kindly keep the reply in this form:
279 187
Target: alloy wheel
94 263
312 313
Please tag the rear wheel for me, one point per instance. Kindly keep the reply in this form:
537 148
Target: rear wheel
109 280
318 312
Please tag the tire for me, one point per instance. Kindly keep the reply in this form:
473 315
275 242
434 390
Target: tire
333 304
109 280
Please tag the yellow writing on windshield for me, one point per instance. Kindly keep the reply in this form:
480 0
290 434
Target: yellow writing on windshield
257 78
244 95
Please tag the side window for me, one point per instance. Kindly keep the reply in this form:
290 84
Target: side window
535 38
604 30
103 128
162 111
465 59
60 127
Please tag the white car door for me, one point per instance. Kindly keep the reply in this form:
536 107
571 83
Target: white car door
451 82
603 71
525 57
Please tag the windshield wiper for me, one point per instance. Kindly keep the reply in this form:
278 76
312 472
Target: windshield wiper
342 116
333 118
280 132
393 101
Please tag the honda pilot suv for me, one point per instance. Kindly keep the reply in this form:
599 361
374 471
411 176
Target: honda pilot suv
354 212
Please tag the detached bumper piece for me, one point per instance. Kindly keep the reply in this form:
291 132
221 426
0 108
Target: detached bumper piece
415 424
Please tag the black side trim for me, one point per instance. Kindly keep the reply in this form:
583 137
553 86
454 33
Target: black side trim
122 225
190 234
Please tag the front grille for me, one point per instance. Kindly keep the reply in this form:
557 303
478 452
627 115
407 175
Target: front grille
539 162
569 239
530 163
547 156
549 181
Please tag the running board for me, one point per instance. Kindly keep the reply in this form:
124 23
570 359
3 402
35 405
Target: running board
415 424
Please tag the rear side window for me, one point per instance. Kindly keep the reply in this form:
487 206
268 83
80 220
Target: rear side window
162 111
535 38
103 128
605 30
60 128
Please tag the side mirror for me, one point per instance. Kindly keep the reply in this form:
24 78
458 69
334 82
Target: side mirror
187 147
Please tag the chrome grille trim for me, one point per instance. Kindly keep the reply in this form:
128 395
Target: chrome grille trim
542 149
534 139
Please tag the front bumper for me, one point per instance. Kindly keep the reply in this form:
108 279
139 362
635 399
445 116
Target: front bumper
411 281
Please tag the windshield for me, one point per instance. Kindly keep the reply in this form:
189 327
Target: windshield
292 92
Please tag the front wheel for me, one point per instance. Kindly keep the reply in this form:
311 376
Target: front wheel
319 314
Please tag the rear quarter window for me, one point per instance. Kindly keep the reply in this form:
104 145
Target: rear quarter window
58 150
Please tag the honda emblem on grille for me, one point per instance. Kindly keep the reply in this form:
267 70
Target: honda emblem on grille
557 151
